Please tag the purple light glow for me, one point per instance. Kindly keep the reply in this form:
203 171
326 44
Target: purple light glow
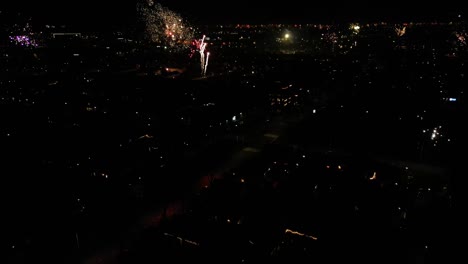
24 41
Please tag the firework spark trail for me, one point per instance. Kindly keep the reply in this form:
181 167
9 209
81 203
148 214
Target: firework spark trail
206 65
202 53
201 47
202 62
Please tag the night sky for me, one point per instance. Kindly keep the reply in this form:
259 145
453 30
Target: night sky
104 13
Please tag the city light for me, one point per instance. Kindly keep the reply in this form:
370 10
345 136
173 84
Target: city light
264 134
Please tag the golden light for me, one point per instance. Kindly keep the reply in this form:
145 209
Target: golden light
355 28
287 36
400 31
299 234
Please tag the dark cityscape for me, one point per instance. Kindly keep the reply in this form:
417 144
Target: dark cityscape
153 131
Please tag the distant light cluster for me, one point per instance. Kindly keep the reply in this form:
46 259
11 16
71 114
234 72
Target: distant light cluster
23 40
164 26
330 37
461 38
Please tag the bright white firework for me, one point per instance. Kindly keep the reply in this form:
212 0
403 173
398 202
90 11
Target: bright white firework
206 64
201 47
164 26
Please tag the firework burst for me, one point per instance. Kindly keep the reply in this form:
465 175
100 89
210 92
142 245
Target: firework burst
164 26
24 37
400 31
23 41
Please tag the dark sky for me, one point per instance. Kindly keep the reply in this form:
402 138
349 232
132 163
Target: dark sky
103 13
